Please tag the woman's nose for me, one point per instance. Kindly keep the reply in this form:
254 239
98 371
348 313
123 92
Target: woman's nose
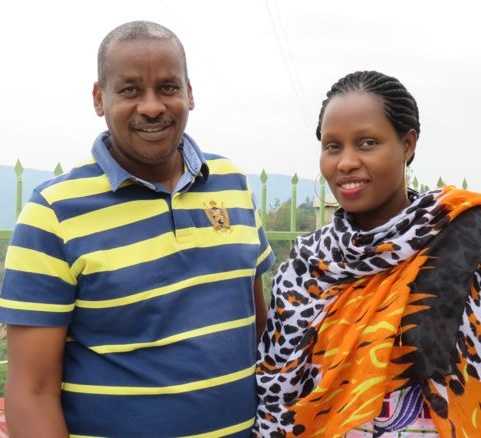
348 160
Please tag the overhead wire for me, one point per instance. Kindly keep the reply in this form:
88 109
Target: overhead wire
267 140
284 47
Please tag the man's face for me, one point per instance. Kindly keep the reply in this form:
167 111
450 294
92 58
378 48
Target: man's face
146 101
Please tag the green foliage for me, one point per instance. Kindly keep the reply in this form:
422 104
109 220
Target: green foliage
279 219
3 365
306 216
3 342
3 251
3 346
267 283
279 216
3 378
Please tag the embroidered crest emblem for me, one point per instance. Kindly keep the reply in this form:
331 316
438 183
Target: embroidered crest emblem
218 216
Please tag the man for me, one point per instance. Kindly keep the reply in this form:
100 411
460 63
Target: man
133 287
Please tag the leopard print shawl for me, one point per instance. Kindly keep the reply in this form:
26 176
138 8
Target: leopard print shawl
355 315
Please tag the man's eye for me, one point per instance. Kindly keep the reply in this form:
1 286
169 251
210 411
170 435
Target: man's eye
129 91
168 89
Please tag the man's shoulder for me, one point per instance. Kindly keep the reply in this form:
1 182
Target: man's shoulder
221 164
80 173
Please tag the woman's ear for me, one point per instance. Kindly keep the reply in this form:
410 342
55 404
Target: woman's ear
410 140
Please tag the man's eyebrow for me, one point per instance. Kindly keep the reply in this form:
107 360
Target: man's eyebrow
125 78
172 78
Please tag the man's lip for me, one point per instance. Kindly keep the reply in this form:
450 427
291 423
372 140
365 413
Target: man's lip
152 133
151 128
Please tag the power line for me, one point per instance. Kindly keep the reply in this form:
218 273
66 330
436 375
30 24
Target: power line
226 86
282 42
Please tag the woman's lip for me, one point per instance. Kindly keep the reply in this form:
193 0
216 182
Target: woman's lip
350 189
351 185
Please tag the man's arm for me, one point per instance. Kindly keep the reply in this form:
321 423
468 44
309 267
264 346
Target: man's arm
260 304
32 393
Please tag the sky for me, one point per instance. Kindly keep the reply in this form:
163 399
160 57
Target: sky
259 71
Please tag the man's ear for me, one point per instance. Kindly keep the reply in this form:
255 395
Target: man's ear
98 101
190 96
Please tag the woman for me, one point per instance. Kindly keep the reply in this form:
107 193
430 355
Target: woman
374 325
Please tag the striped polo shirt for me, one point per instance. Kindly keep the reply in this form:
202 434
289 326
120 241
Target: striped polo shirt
156 289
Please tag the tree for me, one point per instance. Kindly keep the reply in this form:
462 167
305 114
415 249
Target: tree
278 218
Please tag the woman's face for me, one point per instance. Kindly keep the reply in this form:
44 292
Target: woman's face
363 158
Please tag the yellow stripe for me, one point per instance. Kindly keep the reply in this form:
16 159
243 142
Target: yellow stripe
331 352
264 255
112 217
214 328
39 216
212 434
69 189
222 166
381 325
160 246
258 219
162 390
128 213
188 282
364 410
29 260
40 307
108 218
225 431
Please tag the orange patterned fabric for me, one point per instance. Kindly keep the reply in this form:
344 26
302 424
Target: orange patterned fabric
347 323
354 348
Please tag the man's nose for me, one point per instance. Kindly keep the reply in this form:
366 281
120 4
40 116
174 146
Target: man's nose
151 104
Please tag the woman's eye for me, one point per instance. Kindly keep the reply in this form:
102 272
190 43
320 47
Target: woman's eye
331 147
367 143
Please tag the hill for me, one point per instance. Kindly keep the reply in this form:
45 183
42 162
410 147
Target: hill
279 188
8 195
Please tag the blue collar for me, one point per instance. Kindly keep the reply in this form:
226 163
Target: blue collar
194 162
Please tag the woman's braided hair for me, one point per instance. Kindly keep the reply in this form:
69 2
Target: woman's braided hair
400 106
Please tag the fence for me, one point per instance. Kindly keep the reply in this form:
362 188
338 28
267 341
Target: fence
325 205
